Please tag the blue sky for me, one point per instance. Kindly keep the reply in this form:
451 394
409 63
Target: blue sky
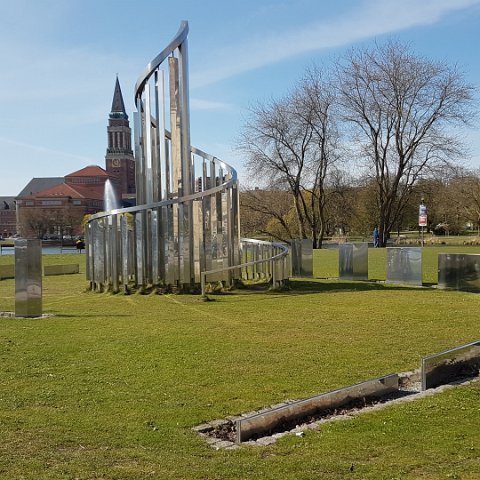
59 59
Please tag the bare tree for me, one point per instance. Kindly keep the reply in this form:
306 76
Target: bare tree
34 222
465 196
290 144
316 103
340 202
258 209
69 221
402 109
276 146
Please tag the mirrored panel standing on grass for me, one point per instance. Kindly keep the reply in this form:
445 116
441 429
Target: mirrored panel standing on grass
404 265
459 271
353 261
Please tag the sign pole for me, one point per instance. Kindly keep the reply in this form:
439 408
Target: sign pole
422 218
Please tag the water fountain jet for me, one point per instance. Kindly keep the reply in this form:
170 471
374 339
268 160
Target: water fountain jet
110 201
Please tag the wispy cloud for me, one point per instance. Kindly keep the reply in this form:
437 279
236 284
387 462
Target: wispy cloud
371 18
45 150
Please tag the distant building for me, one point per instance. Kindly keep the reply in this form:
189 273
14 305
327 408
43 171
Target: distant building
59 210
54 207
8 217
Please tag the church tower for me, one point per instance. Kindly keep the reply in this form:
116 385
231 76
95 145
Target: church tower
119 160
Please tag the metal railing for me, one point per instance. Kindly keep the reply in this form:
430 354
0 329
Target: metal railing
261 259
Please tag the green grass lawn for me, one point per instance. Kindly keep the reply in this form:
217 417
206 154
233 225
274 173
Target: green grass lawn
111 386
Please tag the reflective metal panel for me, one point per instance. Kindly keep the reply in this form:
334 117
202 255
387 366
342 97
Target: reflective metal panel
107 239
88 254
171 266
353 261
115 249
140 248
292 413
98 253
65 269
451 365
155 237
404 265
307 258
345 261
459 271
301 251
125 250
28 278
296 257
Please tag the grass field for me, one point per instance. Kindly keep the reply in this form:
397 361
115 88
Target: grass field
111 386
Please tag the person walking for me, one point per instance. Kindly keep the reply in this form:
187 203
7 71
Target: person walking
376 238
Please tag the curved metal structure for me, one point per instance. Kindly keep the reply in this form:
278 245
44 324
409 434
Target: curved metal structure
185 229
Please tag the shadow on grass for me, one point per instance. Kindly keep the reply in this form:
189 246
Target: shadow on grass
88 315
302 287
299 287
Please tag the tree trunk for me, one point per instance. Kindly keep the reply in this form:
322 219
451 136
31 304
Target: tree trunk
301 223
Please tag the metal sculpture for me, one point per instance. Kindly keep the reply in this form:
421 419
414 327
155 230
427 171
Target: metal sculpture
404 265
28 278
185 228
459 271
353 261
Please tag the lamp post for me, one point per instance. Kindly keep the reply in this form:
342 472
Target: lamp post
422 217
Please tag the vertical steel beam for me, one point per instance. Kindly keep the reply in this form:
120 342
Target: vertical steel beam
125 251
115 250
159 138
188 180
147 145
176 127
138 119
139 231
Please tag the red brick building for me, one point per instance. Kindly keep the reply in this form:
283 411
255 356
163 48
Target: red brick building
59 210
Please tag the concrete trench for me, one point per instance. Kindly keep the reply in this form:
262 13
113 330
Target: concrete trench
294 417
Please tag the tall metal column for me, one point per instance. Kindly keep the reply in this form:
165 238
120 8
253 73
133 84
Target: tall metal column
28 278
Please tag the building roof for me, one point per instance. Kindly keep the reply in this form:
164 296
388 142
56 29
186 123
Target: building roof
93 192
90 171
4 201
118 106
66 190
39 184
63 190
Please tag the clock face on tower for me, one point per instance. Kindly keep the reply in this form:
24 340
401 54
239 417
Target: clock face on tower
115 162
